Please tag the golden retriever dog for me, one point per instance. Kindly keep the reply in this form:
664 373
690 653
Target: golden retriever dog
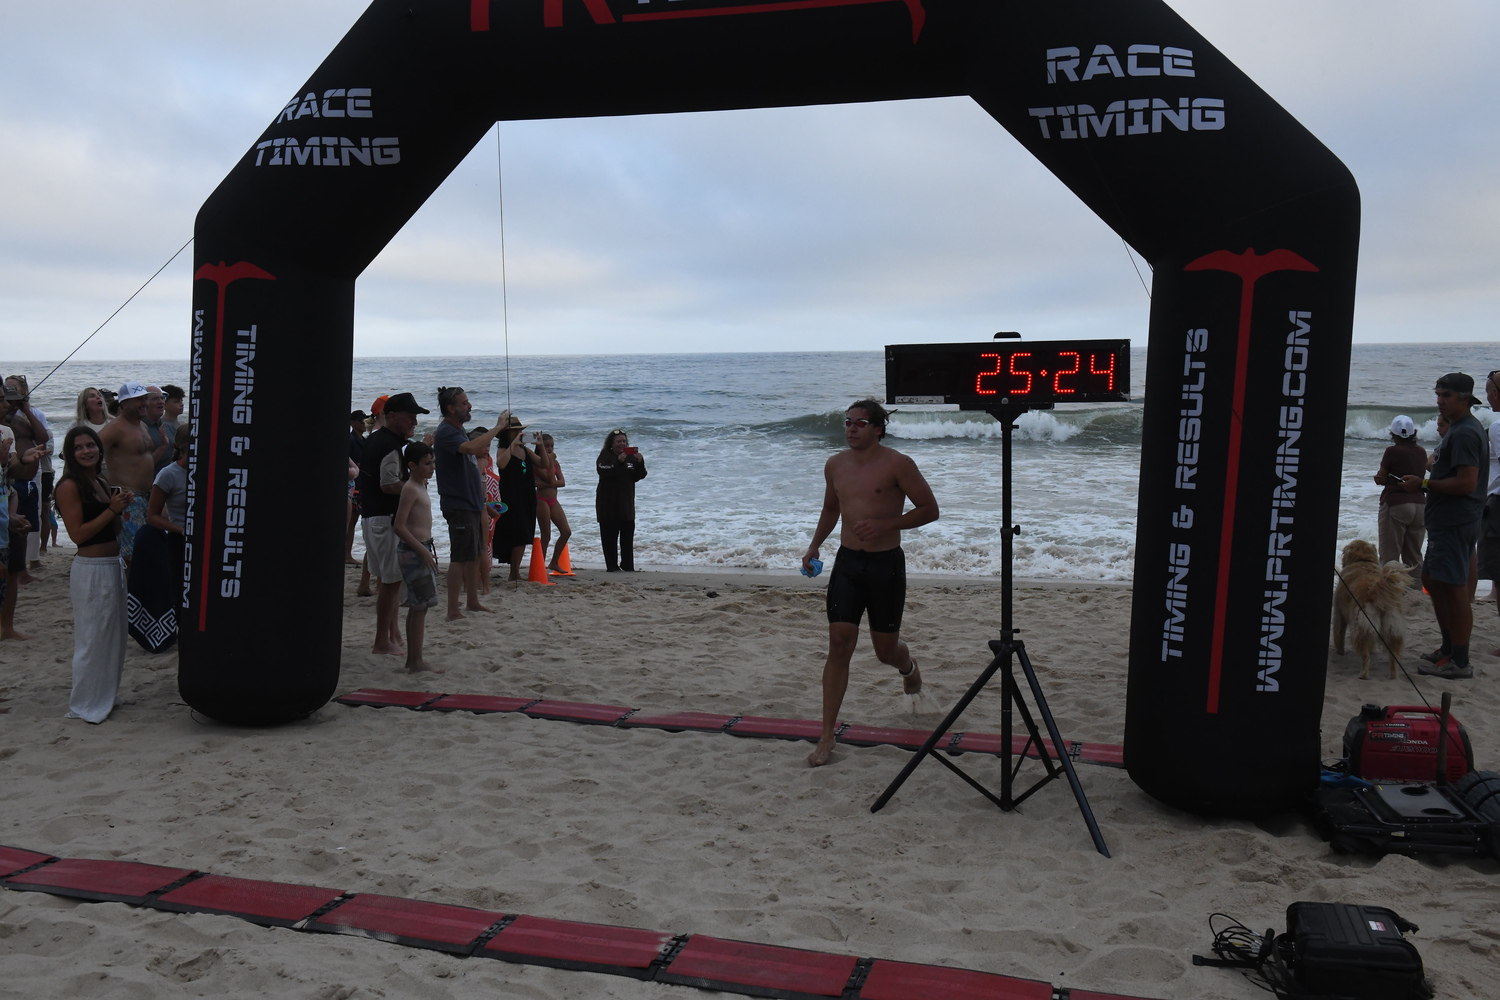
1381 591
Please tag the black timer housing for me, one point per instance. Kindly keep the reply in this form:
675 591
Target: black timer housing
983 376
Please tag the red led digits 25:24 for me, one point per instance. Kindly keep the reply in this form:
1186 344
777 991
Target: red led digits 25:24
1110 371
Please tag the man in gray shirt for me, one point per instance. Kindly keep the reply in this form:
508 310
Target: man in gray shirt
1455 487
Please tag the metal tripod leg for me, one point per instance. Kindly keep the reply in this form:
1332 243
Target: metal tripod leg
937 734
1012 696
1062 753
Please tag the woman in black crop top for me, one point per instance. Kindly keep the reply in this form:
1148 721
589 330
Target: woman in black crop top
97 580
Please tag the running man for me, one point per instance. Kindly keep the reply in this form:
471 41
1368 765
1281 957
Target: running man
867 487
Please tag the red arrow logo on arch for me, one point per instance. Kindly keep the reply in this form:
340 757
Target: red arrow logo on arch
552 12
1250 268
222 275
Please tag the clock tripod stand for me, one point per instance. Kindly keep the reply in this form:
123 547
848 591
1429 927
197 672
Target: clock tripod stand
1007 651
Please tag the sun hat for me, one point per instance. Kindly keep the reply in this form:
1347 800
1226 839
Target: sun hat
1403 427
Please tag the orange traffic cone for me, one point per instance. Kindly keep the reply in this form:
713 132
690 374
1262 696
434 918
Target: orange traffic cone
565 565
537 573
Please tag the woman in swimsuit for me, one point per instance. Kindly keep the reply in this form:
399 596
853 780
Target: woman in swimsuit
548 511
90 510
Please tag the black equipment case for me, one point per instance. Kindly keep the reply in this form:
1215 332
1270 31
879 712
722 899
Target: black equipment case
1402 819
1343 950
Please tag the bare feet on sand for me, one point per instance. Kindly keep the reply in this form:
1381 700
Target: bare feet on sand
387 649
13 634
454 616
474 605
420 666
911 680
821 754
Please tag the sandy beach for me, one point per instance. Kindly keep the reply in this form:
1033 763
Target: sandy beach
680 832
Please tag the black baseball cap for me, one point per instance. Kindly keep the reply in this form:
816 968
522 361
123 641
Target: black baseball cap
1460 384
358 415
405 402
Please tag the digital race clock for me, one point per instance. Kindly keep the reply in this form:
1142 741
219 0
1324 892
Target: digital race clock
991 375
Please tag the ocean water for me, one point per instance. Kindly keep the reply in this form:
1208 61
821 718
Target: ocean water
735 446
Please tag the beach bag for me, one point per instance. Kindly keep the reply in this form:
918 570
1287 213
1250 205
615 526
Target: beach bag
149 603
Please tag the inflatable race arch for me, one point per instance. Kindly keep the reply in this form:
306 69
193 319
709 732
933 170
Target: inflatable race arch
1250 224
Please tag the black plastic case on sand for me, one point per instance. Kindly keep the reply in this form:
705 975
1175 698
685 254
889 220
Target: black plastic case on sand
1343 950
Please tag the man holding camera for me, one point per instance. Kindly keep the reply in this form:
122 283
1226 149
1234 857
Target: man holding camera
15 464
461 493
30 429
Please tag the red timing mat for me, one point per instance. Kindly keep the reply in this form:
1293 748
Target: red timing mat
707 722
13 859
875 736
781 729
710 963
379 698
1103 754
713 963
994 743
578 711
106 881
564 944
410 922
904 981
477 703
274 904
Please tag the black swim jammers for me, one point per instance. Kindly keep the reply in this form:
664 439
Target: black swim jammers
873 581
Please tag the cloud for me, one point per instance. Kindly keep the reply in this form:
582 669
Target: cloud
797 228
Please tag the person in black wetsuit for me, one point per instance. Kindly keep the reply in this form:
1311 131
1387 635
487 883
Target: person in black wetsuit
620 468
516 527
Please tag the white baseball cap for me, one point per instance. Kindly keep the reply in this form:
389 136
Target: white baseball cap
1403 427
131 390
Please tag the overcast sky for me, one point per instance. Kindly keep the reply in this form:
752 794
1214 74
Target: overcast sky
831 228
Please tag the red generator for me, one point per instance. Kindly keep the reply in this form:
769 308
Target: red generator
1400 743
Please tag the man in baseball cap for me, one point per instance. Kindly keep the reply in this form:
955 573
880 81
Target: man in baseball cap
379 497
1455 490
131 457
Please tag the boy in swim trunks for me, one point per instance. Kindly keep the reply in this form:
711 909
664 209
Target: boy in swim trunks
414 552
867 487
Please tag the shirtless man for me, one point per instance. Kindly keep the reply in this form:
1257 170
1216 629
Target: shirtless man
131 458
868 486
